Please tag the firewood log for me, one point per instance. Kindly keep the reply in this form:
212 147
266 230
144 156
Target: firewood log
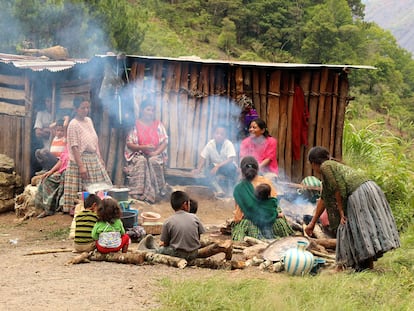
254 250
128 258
84 257
217 264
164 259
253 241
327 243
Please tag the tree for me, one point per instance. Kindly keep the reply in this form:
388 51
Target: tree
227 38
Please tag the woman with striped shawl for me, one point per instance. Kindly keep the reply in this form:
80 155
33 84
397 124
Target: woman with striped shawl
357 210
146 155
254 217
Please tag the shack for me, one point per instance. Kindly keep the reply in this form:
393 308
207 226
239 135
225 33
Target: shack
192 95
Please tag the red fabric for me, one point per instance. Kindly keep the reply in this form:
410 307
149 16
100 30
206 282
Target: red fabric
125 240
300 116
148 134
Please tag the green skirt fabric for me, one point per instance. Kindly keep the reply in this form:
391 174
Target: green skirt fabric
245 227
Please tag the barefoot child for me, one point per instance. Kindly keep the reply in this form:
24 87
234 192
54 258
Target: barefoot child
84 223
109 232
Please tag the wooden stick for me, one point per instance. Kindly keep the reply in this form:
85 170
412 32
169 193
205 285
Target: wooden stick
49 251
320 254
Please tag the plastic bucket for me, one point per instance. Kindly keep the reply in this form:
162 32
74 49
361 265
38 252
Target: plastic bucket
129 219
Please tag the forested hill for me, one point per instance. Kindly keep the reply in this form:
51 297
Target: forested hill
395 16
306 31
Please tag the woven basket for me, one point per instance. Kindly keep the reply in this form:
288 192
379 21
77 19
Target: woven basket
153 228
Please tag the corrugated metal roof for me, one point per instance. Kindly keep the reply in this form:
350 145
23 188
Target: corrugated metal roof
39 63
196 59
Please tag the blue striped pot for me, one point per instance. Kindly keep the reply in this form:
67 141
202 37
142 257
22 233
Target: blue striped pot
298 261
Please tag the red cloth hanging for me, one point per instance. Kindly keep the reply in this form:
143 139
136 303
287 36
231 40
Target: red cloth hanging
300 116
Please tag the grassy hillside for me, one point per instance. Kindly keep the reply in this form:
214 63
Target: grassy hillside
395 16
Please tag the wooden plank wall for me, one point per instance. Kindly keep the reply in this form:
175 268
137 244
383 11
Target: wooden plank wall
191 98
15 122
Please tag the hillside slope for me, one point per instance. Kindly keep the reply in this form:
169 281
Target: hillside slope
395 16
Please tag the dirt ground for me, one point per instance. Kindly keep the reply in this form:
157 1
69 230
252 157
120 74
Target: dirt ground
45 282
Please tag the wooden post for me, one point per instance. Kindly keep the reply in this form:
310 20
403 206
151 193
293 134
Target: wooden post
205 106
273 107
194 111
175 117
157 76
327 120
313 112
239 82
186 115
110 163
334 108
256 90
139 87
321 106
119 162
343 94
171 127
262 110
305 84
283 124
26 146
288 147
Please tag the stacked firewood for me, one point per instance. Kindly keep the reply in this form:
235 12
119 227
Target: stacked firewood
10 184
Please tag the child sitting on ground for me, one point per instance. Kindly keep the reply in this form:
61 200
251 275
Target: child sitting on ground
84 223
109 232
180 234
193 206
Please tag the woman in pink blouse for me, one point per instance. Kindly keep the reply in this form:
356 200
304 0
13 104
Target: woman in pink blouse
261 146
86 166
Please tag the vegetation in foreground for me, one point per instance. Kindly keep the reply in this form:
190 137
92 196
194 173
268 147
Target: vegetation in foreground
389 287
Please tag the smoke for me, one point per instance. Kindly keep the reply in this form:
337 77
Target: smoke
26 25
189 116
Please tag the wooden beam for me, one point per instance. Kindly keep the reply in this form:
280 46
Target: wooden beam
12 80
12 110
13 94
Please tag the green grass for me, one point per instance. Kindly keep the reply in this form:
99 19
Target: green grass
389 287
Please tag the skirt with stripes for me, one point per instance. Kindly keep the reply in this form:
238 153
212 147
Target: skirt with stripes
370 229
74 183
280 228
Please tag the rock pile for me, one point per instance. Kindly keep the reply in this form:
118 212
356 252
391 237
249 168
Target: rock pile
10 184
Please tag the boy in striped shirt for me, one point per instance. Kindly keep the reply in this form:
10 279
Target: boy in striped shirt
85 221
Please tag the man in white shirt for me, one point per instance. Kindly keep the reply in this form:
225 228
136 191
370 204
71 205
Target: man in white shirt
219 156
42 123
